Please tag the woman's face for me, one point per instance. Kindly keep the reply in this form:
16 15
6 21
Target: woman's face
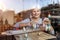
36 13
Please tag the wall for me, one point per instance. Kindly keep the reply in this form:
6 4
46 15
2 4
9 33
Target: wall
9 15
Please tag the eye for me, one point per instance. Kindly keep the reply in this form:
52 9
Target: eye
34 11
38 10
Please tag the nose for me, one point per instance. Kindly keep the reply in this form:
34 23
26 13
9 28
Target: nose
36 12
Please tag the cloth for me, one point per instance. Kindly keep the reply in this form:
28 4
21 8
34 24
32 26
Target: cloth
27 21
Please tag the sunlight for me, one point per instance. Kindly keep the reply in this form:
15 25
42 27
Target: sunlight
37 6
2 6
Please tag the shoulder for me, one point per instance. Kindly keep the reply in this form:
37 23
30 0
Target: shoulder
40 19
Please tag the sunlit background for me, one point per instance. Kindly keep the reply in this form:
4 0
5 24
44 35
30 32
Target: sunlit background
19 5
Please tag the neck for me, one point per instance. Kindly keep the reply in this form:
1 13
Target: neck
35 19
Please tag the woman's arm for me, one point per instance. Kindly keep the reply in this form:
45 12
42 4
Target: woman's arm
24 24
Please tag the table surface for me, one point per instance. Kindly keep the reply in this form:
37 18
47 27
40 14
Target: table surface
33 34
41 36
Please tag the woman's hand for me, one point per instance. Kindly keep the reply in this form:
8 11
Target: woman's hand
42 28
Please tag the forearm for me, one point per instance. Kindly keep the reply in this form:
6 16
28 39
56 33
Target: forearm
23 25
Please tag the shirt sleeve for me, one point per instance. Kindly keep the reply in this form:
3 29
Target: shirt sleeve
24 21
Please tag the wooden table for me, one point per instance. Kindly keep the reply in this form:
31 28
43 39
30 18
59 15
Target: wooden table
41 36
32 34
